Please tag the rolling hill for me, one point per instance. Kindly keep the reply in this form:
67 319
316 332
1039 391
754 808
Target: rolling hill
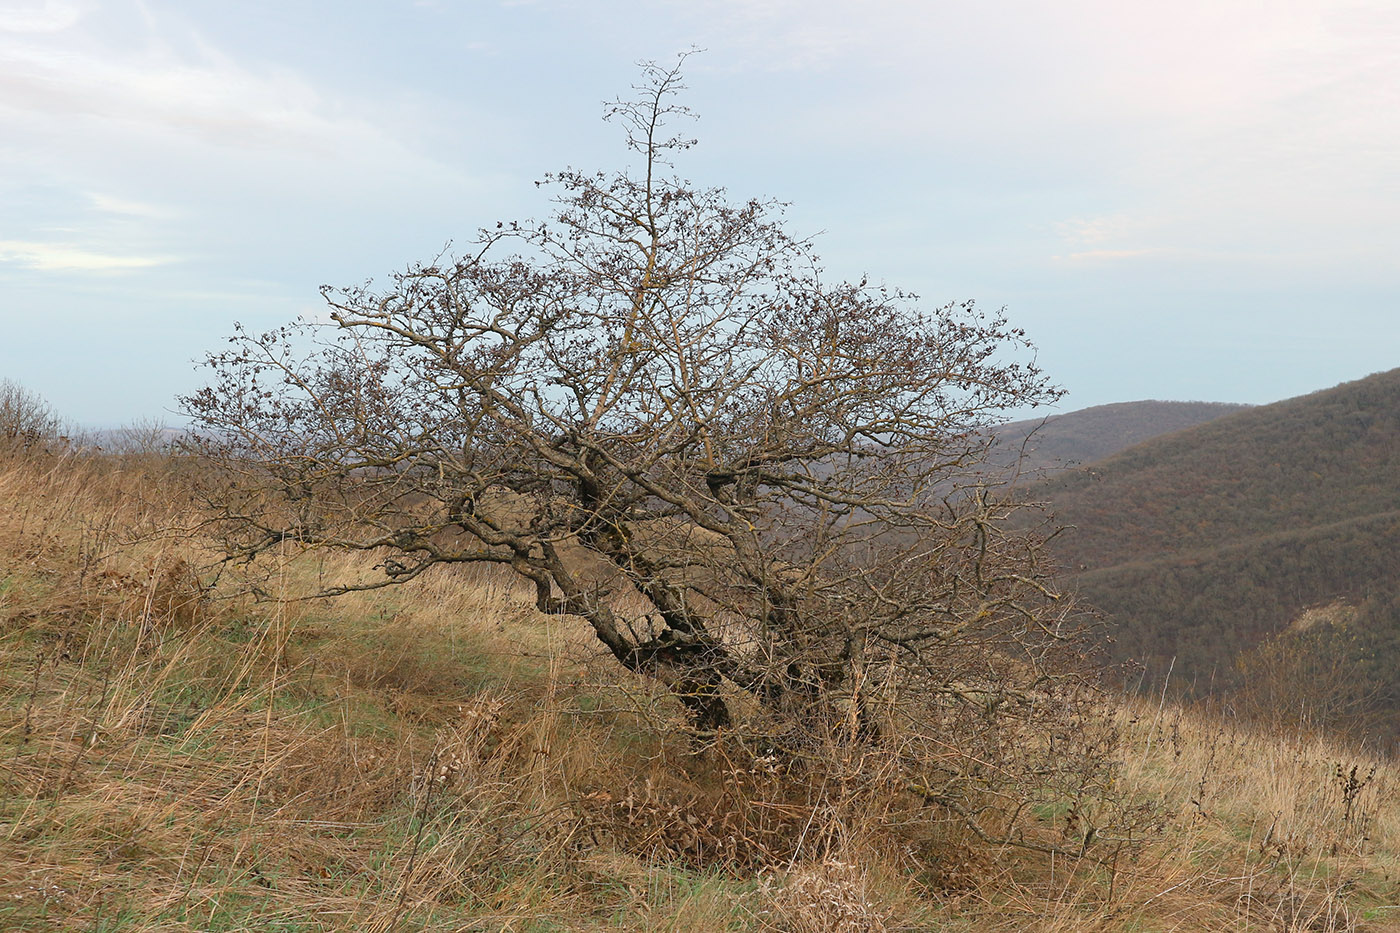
1203 543
1061 442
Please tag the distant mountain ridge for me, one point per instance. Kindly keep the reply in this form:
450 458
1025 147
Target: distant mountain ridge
1202 542
1305 461
1060 442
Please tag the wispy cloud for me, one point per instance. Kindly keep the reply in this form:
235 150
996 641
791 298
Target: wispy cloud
1109 238
54 66
1099 230
141 136
128 208
45 16
63 257
1108 255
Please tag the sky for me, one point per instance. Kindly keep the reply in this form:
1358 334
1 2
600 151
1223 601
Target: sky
1195 200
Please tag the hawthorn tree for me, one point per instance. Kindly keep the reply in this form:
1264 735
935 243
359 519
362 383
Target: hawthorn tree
656 394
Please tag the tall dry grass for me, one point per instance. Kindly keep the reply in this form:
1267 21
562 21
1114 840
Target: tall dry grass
174 759
440 756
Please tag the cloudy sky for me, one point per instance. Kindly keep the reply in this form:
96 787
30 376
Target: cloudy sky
1188 200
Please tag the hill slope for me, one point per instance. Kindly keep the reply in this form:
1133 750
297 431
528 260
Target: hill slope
442 757
1065 441
1203 542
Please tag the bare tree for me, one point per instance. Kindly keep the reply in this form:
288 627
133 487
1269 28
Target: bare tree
25 418
142 437
656 394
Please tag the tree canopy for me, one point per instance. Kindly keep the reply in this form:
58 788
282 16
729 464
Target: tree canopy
760 488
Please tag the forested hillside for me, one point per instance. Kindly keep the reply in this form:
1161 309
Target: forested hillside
1202 543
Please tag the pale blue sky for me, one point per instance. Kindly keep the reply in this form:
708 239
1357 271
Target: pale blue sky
1188 200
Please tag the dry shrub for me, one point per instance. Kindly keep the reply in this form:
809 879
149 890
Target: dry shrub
162 596
26 419
732 809
832 895
943 786
175 594
739 820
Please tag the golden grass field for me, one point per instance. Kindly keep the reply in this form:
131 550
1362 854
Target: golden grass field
179 755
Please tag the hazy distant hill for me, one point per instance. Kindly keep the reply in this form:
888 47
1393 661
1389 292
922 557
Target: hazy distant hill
1202 542
1065 441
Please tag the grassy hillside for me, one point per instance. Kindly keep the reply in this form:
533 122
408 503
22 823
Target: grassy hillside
180 755
1204 542
1062 442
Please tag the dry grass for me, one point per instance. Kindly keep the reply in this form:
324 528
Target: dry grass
442 757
